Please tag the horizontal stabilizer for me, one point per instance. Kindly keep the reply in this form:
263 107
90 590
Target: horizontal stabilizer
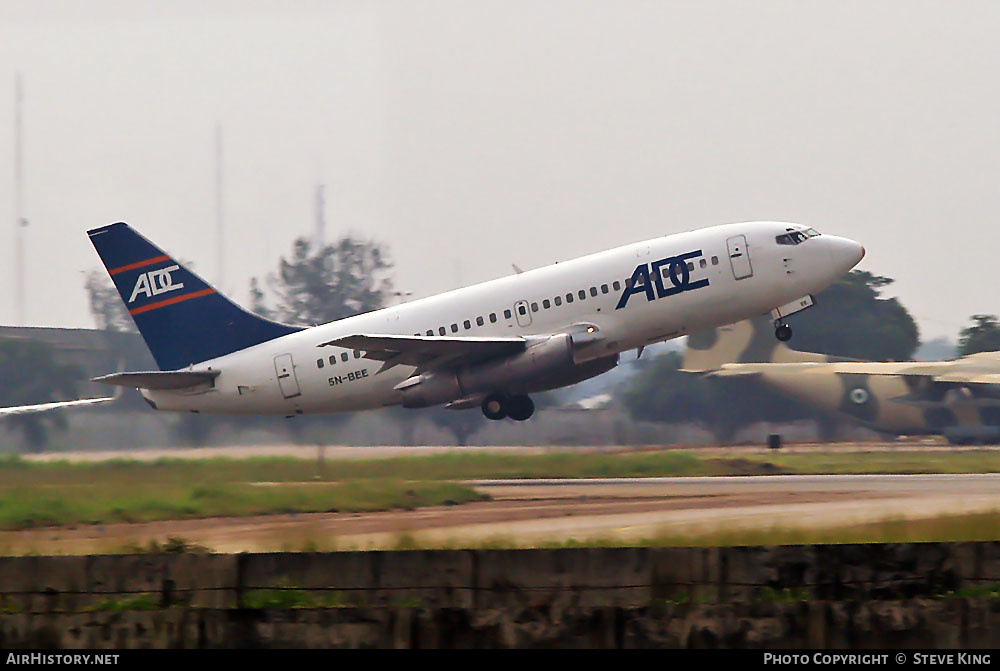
44 407
180 379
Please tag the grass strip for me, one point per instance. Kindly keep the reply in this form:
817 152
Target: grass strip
15 472
29 507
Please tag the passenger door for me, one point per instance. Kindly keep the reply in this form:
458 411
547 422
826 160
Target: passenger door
285 370
739 257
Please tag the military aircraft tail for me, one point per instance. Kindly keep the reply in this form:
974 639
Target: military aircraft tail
748 341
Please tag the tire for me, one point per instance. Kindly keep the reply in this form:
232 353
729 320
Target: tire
520 408
495 406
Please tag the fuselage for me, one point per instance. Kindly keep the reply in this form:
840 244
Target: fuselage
903 404
633 296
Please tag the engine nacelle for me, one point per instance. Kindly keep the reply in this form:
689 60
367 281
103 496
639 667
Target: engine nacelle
543 365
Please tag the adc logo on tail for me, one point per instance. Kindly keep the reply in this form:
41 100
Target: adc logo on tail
156 282
676 269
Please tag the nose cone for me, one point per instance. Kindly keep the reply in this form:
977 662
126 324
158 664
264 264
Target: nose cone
844 252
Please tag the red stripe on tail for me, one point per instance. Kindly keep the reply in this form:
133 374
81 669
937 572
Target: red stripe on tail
171 301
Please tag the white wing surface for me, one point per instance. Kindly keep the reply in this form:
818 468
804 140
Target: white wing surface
427 351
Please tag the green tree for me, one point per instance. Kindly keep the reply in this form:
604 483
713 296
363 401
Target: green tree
106 305
852 319
31 375
982 336
315 286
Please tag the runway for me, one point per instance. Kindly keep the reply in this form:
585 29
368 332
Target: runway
536 512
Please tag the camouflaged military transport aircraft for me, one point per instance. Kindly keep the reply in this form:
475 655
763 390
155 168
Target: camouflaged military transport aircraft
486 346
958 399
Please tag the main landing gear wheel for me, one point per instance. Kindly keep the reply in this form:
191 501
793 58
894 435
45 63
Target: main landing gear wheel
783 332
520 408
495 406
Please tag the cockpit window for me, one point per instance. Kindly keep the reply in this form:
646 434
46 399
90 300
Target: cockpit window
812 232
791 238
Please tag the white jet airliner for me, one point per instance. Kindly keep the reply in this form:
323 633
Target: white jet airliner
487 346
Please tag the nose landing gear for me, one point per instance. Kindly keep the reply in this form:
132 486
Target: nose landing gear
782 331
518 407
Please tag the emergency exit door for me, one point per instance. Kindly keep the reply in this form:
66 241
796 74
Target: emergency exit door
739 257
285 370
522 313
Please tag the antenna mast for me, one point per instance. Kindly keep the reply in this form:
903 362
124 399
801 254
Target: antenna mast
219 244
19 221
320 216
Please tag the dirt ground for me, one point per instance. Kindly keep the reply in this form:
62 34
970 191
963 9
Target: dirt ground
535 512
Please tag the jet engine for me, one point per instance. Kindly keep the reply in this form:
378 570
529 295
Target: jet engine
547 364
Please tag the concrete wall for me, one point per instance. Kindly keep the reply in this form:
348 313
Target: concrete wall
910 624
478 579
877 595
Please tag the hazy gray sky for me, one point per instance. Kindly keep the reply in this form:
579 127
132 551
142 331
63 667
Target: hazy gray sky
469 135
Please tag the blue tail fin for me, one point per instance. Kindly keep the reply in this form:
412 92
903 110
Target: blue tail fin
182 319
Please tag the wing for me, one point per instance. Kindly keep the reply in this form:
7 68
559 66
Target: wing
425 352
177 379
940 372
43 407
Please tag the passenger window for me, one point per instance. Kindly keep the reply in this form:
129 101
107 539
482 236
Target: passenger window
430 332
690 265
604 288
558 300
703 263
442 330
357 354
493 317
546 304
569 298
507 314
479 321
715 260
343 356
467 324
628 283
534 307
593 291
521 310
319 363
582 294
616 285
454 328
333 359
